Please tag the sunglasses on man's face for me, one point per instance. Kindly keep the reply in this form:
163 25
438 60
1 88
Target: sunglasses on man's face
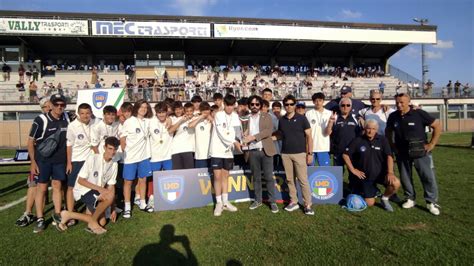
255 104
290 104
375 99
345 105
59 105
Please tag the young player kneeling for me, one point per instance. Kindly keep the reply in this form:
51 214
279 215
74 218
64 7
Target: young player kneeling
95 187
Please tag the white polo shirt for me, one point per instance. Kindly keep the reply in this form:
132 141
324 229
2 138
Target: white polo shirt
137 134
380 116
319 122
160 141
223 134
101 131
97 171
202 139
183 140
79 137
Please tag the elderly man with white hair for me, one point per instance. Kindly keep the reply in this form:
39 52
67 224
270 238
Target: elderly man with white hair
370 162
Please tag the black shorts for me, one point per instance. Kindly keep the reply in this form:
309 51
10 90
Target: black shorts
222 163
90 200
76 168
184 160
367 188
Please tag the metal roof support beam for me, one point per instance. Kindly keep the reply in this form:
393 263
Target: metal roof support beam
23 41
276 48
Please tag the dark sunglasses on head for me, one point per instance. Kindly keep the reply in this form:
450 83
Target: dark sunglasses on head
345 105
375 99
59 104
290 104
255 104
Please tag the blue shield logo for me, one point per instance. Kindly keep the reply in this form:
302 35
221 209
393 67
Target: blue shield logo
171 188
99 99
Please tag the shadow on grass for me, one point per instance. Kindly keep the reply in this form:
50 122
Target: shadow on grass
12 188
454 146
162 252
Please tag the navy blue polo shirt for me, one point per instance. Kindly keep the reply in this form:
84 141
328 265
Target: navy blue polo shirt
344 130
370 156
357 105
46 125
293 133
410 126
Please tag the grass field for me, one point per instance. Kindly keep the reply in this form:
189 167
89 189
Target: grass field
332 236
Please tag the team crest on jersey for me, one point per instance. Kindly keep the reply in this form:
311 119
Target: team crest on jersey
223 125
185 128
157 131
395 124
137 130
313 121
80 136
363 148
96 174
324 185
171 188
99 99
202 128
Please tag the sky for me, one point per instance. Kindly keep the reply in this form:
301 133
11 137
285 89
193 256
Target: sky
450 59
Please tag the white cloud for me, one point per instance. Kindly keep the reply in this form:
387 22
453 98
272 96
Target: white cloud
411 52
346 13
443 44
433 55
193 7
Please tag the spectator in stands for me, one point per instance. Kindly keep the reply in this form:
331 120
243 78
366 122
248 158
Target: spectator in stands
346 92
450 88
416 89
370 162
35 73
115 84
466 90
95 75
86 85
27 217
406 133
21 74
28 73
6 69
33 89
457 89
382 87
398 88
428 88
46 166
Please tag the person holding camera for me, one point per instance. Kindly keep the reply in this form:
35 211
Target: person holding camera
412 147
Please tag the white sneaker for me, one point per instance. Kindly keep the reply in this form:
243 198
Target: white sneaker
433 208
408 204
229 207
136 201
218 209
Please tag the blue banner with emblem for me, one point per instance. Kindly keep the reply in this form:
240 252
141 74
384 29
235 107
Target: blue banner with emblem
182 189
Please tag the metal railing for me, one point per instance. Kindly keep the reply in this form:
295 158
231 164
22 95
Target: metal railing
402 75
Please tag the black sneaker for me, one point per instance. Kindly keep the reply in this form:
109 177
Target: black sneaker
255 205
56 218
40 225
25 220
308 211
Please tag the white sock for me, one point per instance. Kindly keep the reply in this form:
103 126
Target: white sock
142 204
384 198
127 206
219 199
150 199
225 198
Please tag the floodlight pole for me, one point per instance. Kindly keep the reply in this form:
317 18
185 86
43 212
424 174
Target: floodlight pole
424 68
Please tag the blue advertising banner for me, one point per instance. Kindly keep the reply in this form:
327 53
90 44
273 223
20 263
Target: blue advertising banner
182 189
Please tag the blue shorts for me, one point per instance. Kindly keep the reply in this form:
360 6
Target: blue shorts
322 158
162 165
201 163
90 200
56 171
76 168
133 170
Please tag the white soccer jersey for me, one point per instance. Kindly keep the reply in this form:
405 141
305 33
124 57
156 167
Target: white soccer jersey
160 141
380 116
136 132
223 134
79 137
97 171
203 139
319 122
183 140
101 131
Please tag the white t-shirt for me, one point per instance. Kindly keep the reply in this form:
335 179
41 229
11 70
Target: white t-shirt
223 134
380 116
183 140
101 131
319 122
79 137
203 139
160 141
97 171
137 134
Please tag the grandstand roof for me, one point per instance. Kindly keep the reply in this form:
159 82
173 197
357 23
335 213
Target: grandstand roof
221 42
